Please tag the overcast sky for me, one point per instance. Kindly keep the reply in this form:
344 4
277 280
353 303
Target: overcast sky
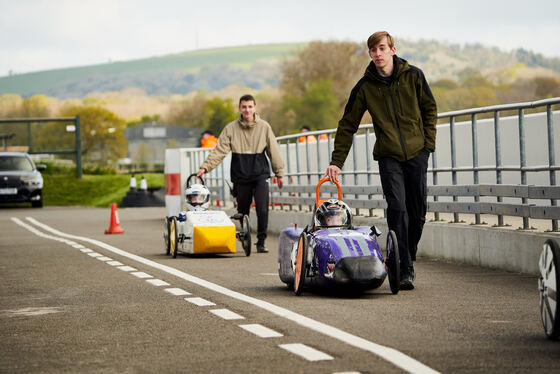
48 34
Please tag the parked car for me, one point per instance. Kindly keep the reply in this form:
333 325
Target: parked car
20 179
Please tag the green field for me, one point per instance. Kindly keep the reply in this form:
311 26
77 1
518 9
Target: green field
91 190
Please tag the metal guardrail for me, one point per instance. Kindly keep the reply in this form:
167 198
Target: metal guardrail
307 161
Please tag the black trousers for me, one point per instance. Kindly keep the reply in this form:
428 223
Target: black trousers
259 191
405 189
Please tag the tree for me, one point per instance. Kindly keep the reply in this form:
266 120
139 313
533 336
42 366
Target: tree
220 112
102 134
316 84
190 112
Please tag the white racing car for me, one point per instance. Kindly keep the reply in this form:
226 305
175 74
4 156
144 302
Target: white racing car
201 231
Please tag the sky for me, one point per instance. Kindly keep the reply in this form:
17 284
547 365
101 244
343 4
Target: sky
38 35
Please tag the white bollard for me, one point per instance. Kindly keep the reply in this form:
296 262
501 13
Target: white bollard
143 184
132 183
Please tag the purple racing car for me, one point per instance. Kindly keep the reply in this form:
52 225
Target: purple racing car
331 252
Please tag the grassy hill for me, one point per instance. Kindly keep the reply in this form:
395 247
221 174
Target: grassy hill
146 73
257 66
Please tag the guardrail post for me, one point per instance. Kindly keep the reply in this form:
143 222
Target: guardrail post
474 132
453 161
497 147
522 162
368 167
551 160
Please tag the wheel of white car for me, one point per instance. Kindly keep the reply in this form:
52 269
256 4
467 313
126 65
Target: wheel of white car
549 275
166 228
173 242
245 235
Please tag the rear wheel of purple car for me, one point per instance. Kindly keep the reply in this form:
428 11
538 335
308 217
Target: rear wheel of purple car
392 262
301 265
549 269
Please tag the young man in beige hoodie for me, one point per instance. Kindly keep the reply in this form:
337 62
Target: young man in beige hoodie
250 140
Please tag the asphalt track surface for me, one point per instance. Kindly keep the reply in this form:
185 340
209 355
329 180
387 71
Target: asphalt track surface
66 306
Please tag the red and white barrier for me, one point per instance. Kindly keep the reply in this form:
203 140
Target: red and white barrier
174 202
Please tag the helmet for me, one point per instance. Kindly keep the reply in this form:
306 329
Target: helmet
198 197
333 213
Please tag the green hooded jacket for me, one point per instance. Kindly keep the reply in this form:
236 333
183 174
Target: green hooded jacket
402 108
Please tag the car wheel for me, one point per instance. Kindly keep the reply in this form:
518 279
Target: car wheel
301 264
166 236
173 242
549 269
392 262
245 235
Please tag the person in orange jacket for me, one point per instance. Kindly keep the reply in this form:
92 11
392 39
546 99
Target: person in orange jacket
310 138
208 140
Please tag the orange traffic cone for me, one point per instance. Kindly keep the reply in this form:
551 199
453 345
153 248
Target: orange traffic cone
114 227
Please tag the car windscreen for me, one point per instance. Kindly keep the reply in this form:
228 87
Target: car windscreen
15 163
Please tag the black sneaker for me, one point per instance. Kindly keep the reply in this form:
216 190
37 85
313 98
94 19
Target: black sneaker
261 248
406 282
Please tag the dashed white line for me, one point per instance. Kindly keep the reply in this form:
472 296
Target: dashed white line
157 282
115 263
177 291
86 250
127 268
141 275
226 314
79 246
94 254
104 258
261 331
391 355
199 301
302 350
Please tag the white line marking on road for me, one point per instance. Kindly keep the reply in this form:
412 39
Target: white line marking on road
177 291
86 250
270 274
226 314
199 301
261 331
302 350
115 263
126 268
141 275
104 258
157 282
391 355
95 254
347 372
79 246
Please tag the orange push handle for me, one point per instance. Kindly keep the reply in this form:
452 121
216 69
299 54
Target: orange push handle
317 191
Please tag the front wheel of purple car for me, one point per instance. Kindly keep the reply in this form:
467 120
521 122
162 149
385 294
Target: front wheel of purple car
392 262
301 265
549 269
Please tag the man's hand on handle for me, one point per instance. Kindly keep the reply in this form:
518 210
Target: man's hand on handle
280 182
200 172
332 173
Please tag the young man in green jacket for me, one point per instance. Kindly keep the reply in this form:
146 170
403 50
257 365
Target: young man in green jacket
404 115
